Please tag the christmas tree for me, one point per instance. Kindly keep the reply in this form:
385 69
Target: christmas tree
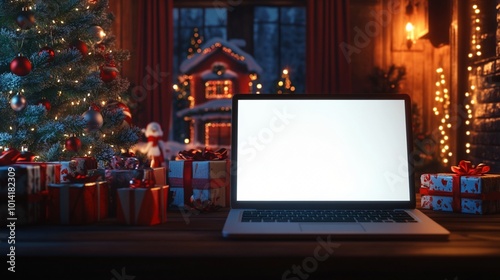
61 94
195 43
284 85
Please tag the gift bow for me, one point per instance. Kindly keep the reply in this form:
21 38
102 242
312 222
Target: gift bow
118 162
465 167
200 155
144 183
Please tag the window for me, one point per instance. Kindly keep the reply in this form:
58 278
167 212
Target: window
280 43
279 37
211 23
217 134
219 89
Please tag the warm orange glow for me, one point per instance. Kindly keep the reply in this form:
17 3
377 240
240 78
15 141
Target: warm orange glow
217 134
219 89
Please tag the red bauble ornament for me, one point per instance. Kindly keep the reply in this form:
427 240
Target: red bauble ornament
49 51
45 104
20 65
73 144
80 46
114 106
25 19
109 72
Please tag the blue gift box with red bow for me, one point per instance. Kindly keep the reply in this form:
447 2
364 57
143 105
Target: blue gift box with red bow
467 190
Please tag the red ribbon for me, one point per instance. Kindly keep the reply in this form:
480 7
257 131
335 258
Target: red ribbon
465 167
79 178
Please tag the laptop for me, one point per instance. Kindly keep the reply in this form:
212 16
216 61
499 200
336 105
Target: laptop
339 165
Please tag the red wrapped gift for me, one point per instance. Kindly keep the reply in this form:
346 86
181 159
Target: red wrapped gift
142 206
78 203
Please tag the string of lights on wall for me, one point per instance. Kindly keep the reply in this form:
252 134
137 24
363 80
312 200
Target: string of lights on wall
474 54
442 110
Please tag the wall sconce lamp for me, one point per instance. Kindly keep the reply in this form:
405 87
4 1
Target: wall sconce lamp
409 27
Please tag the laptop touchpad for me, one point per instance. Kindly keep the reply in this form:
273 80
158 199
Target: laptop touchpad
327 228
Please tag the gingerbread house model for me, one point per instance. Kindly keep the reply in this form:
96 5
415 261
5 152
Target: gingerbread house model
215 74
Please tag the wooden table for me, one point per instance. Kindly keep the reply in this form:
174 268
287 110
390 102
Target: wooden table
190 246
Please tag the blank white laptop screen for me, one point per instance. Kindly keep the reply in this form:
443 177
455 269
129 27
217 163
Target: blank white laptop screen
322 150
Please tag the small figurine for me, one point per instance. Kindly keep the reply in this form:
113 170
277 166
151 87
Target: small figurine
155 148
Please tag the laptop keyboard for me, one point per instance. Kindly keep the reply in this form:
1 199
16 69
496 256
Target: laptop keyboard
327 216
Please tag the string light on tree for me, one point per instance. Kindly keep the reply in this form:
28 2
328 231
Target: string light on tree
195 43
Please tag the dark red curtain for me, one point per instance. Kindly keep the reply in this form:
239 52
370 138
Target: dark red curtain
153 83
328 70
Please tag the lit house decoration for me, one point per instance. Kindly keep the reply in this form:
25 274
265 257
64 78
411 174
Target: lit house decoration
215 74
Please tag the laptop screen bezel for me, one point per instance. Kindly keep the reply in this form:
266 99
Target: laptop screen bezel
410 204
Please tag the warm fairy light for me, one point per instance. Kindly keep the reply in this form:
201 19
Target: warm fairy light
176 87
443 109
186 141
217 126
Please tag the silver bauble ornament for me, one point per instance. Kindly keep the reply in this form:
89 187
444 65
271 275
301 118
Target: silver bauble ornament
18 102
93 120
96 34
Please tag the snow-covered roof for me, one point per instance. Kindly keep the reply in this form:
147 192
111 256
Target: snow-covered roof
231 48
209 75
217 108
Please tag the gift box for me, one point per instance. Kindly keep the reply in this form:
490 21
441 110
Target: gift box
120 178
198 180
461 192
142 206
84 164
25 178
78 203
50 173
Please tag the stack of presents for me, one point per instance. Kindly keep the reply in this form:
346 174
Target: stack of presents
77 192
